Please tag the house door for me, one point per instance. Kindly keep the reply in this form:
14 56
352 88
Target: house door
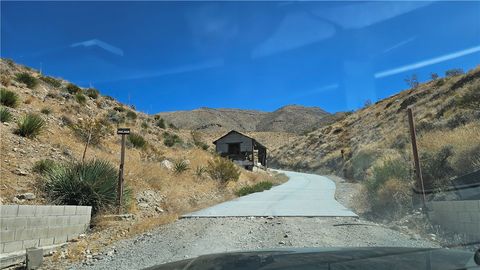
234 148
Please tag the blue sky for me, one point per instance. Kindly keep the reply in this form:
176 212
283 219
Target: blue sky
164 56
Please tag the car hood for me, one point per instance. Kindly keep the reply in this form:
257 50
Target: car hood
331 258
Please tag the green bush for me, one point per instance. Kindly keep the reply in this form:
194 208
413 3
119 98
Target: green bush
51 81
5 115
200 171
223 170
137 140
8 98
119 108
46 111
132 115
80 98
389 169
171 139
144 125
92 93
115 117
360 163
437 167
30 125
73 89
44 166
93 183
27 79
160 123
259 187
454 72
180 166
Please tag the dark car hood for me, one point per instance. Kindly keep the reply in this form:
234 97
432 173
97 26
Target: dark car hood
388 258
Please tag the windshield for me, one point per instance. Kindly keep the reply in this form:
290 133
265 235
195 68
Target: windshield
144 133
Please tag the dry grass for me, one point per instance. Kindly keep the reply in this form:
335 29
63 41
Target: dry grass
461 138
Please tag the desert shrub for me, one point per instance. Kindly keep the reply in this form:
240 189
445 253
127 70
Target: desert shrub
115 117
5 80
160 123
137 140
400 141
51 81
93 183
466 161
30 125
144 125
471 99
92 93
172 126
412 81
360 163
46 110
131 115
27 79
73 89
200 171
180 166
119 108
171 139
388 189
457 120
92 131
454 72
5 114
44 166
258 187
109 98
80 98
223 170
8 98
66 120
437 167
197 140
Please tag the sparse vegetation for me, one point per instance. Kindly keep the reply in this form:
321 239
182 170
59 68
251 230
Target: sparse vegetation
44 166
160 122
197 140
180 166
46 111
92 183
454 72
73 89
412 81
200 171
137 140
5 114
51 81
119 108
91 131
170 139
80 98
8 98
258 187
471 99
27 79
223 170
172 126
30 125
131 115
144 125
92 93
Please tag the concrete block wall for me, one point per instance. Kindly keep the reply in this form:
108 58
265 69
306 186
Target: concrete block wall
457 216
25 226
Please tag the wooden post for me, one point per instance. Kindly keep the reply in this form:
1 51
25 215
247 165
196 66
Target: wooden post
123 132
418 169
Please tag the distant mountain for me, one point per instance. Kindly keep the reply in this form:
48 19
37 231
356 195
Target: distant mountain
291 118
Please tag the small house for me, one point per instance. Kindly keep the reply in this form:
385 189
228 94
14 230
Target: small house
241 149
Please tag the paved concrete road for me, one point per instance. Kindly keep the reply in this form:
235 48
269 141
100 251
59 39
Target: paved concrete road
303 195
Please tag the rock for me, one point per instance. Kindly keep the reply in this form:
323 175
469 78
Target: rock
158 209
167 164
20 172
17 200
285 236
143 205
26 196
281 243
110 252
269 217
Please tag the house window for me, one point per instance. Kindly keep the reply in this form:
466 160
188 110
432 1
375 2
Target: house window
234 148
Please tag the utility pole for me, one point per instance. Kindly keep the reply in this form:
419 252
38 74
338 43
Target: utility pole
123 132
418 169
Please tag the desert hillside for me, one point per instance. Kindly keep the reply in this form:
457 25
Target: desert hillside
166 168
290 119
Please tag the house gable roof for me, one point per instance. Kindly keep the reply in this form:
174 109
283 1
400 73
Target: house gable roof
234 131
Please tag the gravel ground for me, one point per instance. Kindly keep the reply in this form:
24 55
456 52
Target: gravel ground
191 237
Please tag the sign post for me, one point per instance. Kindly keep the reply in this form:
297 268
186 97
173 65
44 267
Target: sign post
418 169
123 132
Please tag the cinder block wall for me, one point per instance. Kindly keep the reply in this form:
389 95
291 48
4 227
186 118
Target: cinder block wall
25 226
457 216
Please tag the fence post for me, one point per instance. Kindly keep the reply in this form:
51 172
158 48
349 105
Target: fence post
418 169
122 132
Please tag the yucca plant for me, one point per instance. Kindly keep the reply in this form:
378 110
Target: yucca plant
30 125
200 171
27 79
44 166
92 183
180 166
5 115
137 140
8 98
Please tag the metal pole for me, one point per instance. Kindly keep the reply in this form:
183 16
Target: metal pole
418 169
120 176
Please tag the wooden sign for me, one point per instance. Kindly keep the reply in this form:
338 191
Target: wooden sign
123 131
